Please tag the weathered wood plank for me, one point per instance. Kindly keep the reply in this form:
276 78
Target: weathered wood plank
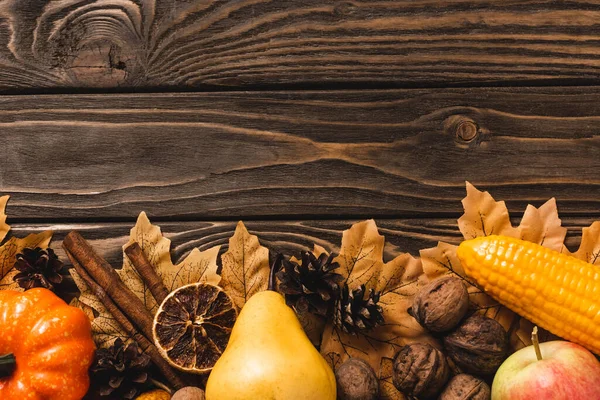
289 237
250 43
297 154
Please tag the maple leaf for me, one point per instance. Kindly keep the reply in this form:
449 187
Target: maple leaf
196 267
589 249
361 262
105 329
245 266
484 216
13 246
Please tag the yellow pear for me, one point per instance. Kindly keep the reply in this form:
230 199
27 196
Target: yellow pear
269 357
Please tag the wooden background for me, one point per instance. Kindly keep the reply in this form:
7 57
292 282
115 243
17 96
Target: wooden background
299 117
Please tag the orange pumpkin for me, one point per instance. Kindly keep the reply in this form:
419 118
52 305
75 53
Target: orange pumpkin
51 343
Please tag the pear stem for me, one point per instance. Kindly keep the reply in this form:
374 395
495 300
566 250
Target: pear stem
536 343
274 268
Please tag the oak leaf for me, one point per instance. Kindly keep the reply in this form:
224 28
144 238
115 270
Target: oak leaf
245 266
484 216
361 262
13 246
196 267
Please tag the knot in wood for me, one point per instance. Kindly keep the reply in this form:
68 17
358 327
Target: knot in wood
466 130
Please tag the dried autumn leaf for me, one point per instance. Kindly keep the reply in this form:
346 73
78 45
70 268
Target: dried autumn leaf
387 390
13 246
196 267
542 226
484 216
361 261
441 260
313 324
105 328
245 266
589 249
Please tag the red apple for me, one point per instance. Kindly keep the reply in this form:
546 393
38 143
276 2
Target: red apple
566 371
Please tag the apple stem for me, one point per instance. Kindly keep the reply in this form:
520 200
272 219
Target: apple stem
536 343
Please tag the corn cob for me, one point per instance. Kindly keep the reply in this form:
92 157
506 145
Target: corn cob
553 290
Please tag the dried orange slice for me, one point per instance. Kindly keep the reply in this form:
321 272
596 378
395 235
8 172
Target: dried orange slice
192 326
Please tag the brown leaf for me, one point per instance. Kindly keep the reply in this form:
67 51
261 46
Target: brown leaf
13 246
387 390
196 267
245 266
484 216
542 226
105 329
442 260
4 227
589 249
361 254
361 261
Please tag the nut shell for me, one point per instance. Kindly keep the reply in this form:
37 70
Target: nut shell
420 370
356 380
479 345
466 387
440 305
189 393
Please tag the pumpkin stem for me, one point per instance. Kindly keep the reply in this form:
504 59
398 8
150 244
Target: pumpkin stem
7 365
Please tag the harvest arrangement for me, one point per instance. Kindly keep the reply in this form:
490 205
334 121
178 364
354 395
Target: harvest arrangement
458 322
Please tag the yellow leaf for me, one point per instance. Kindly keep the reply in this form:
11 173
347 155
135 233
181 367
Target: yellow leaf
361 261
589 249
196 267
13 246
105 328
245 266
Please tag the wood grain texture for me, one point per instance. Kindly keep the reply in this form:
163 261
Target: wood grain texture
248 43
297 155
289 237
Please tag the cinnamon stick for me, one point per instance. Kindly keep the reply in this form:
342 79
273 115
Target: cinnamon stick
118 315
147 273
105 276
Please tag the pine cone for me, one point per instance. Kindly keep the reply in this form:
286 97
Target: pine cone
120 372
38 268
312 285
354 313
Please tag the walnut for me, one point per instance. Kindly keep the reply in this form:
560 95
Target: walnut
189 393
441 304
356 380
466 387
478 345
420 370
